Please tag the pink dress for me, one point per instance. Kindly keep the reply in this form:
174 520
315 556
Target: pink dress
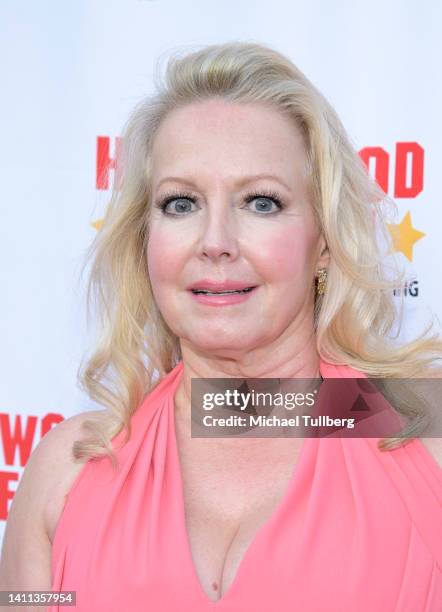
358 530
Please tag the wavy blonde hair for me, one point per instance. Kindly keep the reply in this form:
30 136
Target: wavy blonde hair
135 348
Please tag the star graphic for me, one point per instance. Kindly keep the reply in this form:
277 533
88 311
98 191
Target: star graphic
97 224
404 236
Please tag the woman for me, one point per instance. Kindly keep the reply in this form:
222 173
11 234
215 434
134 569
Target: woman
240 244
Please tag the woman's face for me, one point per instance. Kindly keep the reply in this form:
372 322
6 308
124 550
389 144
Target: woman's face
237 211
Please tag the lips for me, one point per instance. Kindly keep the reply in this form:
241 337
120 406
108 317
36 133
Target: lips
206 292
230 298
209 287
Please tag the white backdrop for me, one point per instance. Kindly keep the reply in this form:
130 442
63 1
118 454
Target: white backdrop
71 73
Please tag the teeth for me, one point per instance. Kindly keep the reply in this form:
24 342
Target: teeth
221 292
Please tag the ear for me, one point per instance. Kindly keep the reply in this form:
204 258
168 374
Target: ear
324 254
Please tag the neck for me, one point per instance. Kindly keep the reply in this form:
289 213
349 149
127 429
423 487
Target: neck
285 359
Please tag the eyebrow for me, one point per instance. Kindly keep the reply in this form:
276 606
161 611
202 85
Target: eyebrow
239 183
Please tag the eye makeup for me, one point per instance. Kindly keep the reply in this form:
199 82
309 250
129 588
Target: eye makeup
179 194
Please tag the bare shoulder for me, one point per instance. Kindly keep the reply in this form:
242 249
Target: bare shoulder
36 506
434 447
58 467
52 461
55 448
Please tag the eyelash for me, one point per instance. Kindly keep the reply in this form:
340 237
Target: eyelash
187 195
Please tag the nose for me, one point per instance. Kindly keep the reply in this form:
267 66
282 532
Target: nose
219 233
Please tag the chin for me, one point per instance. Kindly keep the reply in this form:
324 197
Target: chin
218 342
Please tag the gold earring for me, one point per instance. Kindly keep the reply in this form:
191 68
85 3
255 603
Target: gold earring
321 281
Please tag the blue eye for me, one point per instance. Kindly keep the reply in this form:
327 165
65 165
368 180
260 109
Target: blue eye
264 203
179 204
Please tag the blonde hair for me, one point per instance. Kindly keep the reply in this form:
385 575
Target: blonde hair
354 316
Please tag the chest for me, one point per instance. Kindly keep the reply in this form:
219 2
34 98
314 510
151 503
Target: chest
344 526
230 491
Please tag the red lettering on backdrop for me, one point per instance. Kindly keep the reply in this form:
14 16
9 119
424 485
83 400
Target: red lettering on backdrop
381 164
49 421
22 437
105 162
406 185
404 150
5 492
415 152
11 440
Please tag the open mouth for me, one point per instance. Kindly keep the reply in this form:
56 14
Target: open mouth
204 292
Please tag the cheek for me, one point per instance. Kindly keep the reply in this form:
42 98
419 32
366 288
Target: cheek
286 254
163 264
164 257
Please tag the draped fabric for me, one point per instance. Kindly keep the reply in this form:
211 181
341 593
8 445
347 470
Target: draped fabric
358 529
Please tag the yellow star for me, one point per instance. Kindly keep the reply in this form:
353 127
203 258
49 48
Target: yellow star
97 224
404 236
